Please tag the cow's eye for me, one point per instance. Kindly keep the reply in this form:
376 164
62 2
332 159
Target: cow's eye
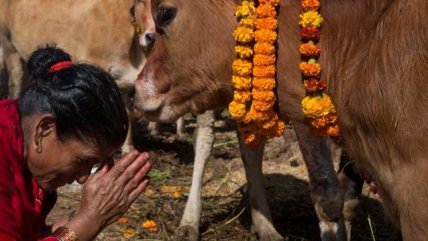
165 15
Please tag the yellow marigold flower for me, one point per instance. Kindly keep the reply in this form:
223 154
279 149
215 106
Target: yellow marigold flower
267 23
310 69
261 59
248 22
122 220
253 140
264 83
262 105
243 35
264 71
280 127
267 96
241 83
241 96
264 48
317 106
310 50
130 232
150 225
237 110
310 19
265 36
310 4
246 9
266 10
242 67
244 51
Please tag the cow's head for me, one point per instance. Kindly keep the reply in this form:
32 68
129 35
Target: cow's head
144 20
189 67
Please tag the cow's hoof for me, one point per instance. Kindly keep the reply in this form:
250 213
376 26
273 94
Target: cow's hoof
186 233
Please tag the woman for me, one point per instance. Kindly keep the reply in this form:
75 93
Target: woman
69 119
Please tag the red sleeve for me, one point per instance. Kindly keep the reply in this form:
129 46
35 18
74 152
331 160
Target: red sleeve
8 221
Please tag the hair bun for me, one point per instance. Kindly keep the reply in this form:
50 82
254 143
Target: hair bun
43 58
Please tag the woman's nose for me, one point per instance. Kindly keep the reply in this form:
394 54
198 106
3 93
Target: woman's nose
83 176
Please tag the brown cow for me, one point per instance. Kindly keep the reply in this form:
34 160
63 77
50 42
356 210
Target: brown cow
375 60
189 71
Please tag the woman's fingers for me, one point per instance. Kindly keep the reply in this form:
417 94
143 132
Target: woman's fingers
141 165
137 191
139 176
123 164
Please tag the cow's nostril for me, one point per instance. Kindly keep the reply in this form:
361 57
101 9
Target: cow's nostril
150 39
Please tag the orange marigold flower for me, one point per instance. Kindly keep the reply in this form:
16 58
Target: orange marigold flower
267 96
264 83
333 131
266 10
264 48
244 51
319 123
271 2
241 83
122 220
262 105
331 119
310 69
237 110
242 67
265 36
241 96
270 123
310 34
150 225
177 194
264 71
310 5
314 85
310 49
259 115
267 23
261 59
130 232
243 35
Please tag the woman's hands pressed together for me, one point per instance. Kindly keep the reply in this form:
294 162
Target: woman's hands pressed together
109 193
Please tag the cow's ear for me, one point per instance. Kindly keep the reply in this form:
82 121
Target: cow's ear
165 15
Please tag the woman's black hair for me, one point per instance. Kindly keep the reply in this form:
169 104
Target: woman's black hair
84 99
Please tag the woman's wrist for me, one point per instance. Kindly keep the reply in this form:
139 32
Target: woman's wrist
85 228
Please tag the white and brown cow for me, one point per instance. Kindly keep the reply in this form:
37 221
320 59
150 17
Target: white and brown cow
375 60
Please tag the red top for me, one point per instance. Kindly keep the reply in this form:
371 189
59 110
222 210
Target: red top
23 204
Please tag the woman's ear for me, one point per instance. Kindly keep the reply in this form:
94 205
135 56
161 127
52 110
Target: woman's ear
45 125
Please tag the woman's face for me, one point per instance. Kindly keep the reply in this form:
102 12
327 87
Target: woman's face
54 163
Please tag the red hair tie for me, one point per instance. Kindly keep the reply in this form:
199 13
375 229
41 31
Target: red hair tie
59 66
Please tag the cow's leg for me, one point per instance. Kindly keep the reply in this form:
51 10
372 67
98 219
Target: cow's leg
153 128
203 142
407 183
13 63
260 213
180 127
351 184
324 184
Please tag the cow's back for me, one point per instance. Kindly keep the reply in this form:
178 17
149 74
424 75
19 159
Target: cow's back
96 31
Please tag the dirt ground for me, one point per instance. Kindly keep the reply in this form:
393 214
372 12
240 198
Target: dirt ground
226 212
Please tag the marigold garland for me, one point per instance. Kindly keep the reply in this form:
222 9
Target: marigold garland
254 72
317 106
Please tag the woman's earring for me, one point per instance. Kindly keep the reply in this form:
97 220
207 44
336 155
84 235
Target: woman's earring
38 145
